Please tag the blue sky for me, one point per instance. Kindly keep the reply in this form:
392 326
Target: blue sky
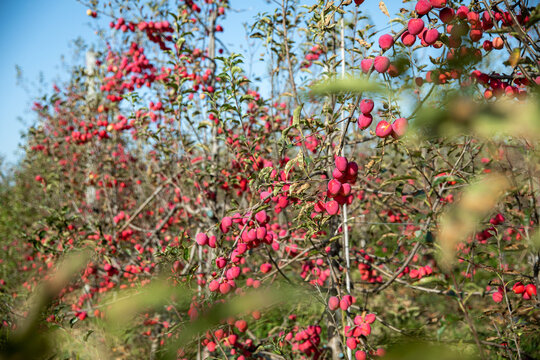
34 34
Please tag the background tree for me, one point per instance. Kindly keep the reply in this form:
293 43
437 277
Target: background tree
217 222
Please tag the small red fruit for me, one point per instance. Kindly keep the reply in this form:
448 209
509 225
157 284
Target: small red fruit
446 15
422 7
530 290
360 355
241 325
341 163
334 187
266 267
213 286
346 302
497 297
352 169
473 18
261 217
364 121
366 106
399 127
386 41
518 288
415 26
201 239
366 64
383 129
431 36
408 39
338 175
332 207
226 224
476 35
381 64
438 3
333 303
352 343
462 12
498 43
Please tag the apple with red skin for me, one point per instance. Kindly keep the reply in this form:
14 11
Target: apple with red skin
366 106
341 163
332 207
399 127
447 15
408 39
333 303
497 43
431 36
422 7
366 65
364 121
360 355
334 187
415 26
462 12
383 129
201 239
381 64
386 41
438 3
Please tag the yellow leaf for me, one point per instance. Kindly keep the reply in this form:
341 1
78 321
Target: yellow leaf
462 219
514 58
383 8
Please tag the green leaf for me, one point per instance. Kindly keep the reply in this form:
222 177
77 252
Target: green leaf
429 280
296 115
399 178
291 163
350 85
87 335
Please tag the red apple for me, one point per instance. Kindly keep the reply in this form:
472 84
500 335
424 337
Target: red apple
383 129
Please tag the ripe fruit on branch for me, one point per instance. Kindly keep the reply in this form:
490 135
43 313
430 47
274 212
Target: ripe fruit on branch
431 36
360 355
447 15
498 43
261 217
438 3
333 303
341 163
366 106
352 343
366 64
415 26
386 41
383 129
241 325
364 121
462 12
226 224
346 302
334 187
201 239
399 127
266 267
332 207
381 64
408 39
422 7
